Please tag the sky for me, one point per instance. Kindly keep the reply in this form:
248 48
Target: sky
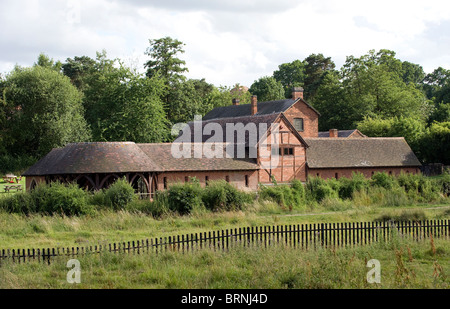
226 42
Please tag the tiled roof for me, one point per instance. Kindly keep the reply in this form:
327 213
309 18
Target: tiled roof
264 108
93 158
90 158
261 121
360 152
341 133
162 155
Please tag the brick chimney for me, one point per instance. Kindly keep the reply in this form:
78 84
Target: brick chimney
334 133
254 105
297 93
236 102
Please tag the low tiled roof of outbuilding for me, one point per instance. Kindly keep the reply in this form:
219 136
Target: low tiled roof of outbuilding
93 158
359 152
162 155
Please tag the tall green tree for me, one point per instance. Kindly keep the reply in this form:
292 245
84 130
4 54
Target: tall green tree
187 99
316 66
47 62
375 81
267 89
435 144
163 53
78 69
44 111
123 105
290 75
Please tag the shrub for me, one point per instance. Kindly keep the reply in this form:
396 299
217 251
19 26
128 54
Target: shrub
298 189
348 186
18 203
318 189
383 180
288 197
183 198
443 183
119 194
222 196
56 197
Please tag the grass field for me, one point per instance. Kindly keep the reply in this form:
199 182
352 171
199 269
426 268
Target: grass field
39 231
404 264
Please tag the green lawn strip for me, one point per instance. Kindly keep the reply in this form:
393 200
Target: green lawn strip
39 231
4 183
404 264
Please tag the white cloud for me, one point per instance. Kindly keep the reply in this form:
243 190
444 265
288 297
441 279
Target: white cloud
227 42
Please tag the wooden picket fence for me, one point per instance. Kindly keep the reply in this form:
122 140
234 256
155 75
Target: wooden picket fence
305 236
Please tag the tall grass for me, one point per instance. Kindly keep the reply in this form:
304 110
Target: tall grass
405 264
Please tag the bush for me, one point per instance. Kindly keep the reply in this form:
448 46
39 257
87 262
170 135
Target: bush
18 203
383 180
288 197
119 194
222 196
56 197
318 189
183 198
418 187
349 186
443 183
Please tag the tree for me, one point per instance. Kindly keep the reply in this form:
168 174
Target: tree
435 144
290 75
315 68
267 89
336 111
413 74
78 69
44 111
46 62
122 105
163 60
375 81
187 99
412 129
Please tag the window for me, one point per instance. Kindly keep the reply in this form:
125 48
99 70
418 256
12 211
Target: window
227 178
186 179
336 176
288 151
247 181
206 180
165 183
298 124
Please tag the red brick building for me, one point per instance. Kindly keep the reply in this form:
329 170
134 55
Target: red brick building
243 144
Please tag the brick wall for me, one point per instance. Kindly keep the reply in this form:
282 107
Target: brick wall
36 179
310 119
289 166
236 178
